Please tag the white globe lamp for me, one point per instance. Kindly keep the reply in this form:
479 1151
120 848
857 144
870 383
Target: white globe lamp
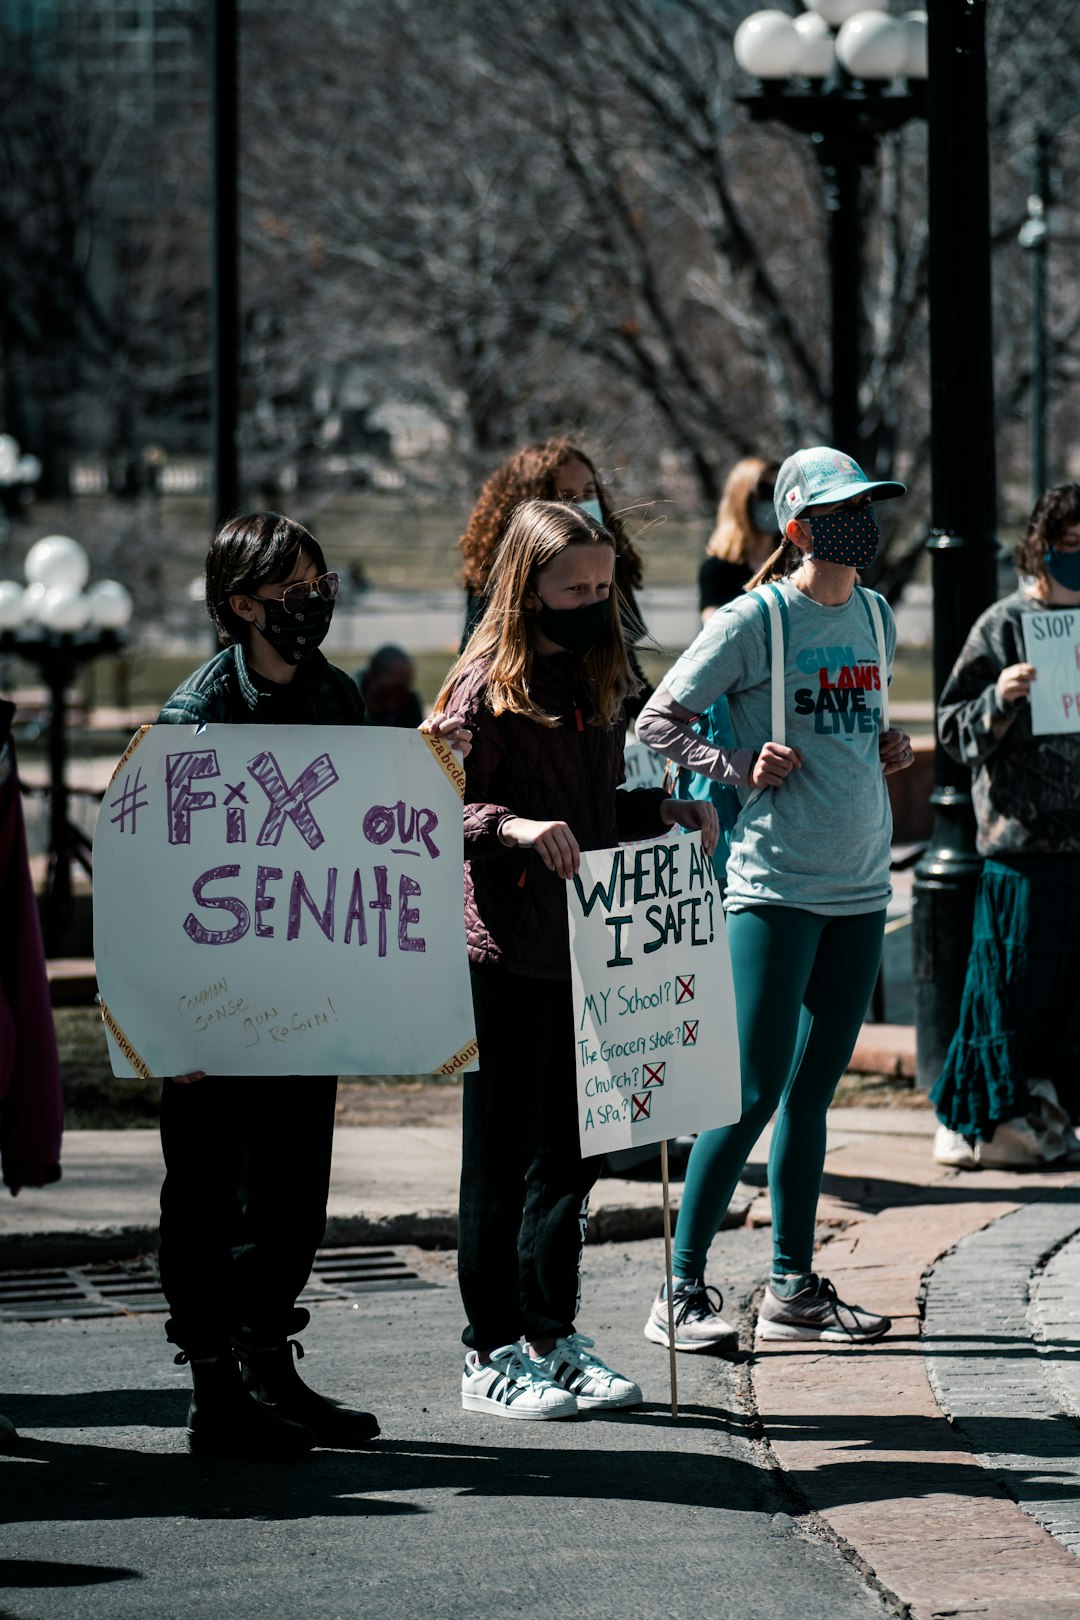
64 609
32 598
815 46
835 12
915 24
767 46
57 560
872 45
110 605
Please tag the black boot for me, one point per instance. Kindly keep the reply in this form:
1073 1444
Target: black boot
9 1435
270 1374
225 1421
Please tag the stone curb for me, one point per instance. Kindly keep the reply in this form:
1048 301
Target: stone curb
989 1373
421 1229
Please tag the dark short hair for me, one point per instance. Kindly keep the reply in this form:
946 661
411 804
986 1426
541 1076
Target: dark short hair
388 657
1056 510
259 549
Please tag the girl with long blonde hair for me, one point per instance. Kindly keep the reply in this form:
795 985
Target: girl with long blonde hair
542 686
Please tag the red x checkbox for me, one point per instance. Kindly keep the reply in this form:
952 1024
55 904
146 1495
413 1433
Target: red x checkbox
689 1032
684 987
654 1074
642 1107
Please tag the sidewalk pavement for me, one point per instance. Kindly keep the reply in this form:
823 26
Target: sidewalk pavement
927 1507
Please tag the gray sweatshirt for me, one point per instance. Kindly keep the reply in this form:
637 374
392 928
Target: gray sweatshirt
1025 789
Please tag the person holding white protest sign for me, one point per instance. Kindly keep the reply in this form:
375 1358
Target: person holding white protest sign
247 1160
543 685
804 660
1017 1042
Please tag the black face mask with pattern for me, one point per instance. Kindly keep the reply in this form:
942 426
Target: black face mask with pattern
850 538
295 635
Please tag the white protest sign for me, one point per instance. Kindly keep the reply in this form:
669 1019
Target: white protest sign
644 766
654 1008
283 900
1052 644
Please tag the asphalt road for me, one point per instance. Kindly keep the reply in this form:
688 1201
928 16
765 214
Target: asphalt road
452 1515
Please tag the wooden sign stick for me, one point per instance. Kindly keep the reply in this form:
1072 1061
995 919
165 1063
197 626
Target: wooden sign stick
667 1268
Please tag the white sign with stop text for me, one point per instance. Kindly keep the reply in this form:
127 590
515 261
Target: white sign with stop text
1052 644
283 900
654 1009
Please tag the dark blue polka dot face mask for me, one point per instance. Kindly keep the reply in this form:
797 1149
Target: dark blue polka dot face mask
850 537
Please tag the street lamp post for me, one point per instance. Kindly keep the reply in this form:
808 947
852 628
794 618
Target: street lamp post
1035 238
824 74
963 518
57 625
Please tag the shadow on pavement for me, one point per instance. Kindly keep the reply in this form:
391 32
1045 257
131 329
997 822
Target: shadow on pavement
36 1572
70 1480
872 1193
1033 1437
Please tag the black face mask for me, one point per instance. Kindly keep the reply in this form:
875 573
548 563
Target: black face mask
576 629
295 635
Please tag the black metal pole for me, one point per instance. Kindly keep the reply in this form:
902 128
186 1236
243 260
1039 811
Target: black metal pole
1039 206
59 672
226 267
841 170
963 535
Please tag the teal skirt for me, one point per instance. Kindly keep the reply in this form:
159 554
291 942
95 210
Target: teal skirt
1020 1013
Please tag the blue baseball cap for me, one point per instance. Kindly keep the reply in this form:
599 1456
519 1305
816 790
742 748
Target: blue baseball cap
818 477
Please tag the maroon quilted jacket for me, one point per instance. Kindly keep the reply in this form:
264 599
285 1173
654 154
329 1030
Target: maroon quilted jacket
515 909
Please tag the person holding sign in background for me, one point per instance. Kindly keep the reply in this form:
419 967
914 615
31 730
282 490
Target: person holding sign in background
1017 1043
543 685
808 653
247 1160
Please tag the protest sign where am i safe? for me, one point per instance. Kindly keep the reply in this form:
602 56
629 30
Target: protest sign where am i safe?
283 900
654 1010
1052 645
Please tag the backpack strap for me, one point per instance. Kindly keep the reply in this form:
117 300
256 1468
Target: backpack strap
872 604
770 600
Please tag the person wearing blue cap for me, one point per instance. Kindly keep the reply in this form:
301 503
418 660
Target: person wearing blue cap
804 659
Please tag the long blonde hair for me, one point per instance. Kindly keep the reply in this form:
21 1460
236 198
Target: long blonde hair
537 533
735 538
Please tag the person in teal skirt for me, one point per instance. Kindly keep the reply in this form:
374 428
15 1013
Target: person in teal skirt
1009 1082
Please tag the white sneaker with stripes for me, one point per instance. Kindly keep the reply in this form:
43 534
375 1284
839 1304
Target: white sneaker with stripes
594 1385
510 1384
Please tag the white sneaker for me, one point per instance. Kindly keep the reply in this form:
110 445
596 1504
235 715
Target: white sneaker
593 1384
953 1149
512 1385
1018 1144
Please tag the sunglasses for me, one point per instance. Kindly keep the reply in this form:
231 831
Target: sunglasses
293 597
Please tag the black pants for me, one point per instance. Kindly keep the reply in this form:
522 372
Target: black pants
524 1185
243 1204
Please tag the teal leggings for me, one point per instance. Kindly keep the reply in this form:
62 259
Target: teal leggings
802 987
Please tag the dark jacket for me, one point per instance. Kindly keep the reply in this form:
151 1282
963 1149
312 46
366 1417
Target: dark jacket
225 691
515 909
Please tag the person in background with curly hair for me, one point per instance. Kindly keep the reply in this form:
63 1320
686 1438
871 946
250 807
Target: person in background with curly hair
744 535
1018 1038
554 470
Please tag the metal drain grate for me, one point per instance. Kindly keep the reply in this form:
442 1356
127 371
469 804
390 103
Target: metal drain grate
131 1287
